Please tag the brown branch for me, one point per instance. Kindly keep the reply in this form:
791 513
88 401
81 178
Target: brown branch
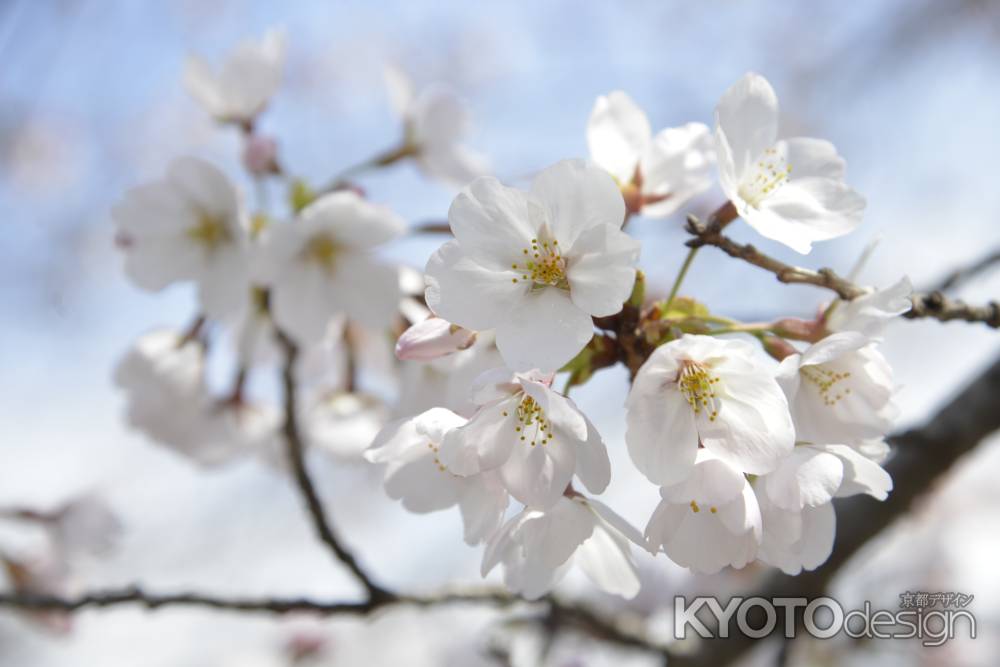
314 504
966 273
933 305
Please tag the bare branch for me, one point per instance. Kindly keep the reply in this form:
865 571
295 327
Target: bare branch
966 273
296 456
934 305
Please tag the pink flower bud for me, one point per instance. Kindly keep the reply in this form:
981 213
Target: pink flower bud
433 338
260 155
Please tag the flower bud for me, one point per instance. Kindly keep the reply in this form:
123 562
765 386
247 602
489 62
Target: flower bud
260 155
433 338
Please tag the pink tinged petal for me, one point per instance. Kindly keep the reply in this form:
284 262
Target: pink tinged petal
397 440
606 558
601 270
593 467
661 436
467 293
485 442
617 133
576 196
494 224
432 338
677 165
483 501
495 384
538 474
422 484
353 222
861 474
748 116
808 477
560 411
544 330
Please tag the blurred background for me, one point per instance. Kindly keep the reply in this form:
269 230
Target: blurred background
92 102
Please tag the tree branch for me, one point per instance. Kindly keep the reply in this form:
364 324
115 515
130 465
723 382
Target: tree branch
314 504
933 305
966 273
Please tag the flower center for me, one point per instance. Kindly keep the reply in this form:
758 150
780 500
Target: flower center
532 425
321 249
543 265
826 381
696 508
437 462
210 231
697 384
765 177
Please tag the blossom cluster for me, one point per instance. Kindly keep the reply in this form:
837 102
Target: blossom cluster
749 430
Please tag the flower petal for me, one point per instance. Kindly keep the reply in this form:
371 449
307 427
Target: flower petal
601 270
576 196
544 330
747 114
617 133
467 293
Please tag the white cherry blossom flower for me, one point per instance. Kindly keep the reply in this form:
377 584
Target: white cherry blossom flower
535 266
538 547
344 423
839 390
188 227
416 475
84 526
433 338
536 438
701 389
436 123
796 502
791 190
869 313
657 174
241 88
321 264
708 521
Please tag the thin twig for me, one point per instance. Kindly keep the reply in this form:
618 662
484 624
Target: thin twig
933 305
966 273
296 456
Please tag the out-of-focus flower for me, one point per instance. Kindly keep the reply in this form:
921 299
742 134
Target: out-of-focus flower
260 155
416 475
538 547
44 575
321 264
535 266
436 122
537 438
792 190
433 338
344 423
708 521
657 174
870 313
241 88
85 525
700 389
189 226
839 390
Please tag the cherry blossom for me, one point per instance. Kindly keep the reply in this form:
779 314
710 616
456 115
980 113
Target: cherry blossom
709 520
537 548
536 438
242 87
657 174
839 390
321 264
700 389
433 338
416 475
869 313
435 123
791 190
535 266
188 227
